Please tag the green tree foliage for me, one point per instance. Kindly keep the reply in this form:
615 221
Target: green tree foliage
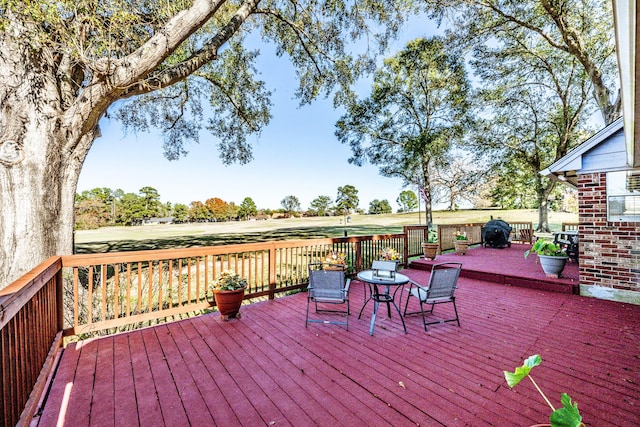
179 66
321 205
198 212
347 200
416 110
247 208
151 199
131 209
535 108
581 32
408 201
290 204
180 213
379 207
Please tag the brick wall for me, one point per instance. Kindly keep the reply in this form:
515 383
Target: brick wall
609 251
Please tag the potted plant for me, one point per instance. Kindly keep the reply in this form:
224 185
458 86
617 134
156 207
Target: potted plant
567 416
389 254
460 242
336 258
551 255
228 292
431 246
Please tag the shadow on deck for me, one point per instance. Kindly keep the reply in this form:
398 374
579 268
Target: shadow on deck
268 369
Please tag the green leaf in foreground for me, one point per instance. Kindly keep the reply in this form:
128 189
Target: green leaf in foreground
513 378
568 415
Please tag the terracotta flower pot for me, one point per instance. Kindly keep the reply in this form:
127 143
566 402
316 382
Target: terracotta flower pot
430 250
461 246
229 302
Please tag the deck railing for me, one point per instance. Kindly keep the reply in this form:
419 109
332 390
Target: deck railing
120 288
79 294
521 232
30 334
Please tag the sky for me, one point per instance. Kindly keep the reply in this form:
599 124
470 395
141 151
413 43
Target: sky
296 154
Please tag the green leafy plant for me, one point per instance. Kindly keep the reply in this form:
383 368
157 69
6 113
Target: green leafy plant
567 416
546 247
460 236
228 281
432 236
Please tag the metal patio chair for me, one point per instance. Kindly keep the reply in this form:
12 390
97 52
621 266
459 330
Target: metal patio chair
328 285
440 290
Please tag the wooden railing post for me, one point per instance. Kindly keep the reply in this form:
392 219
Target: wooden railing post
272 272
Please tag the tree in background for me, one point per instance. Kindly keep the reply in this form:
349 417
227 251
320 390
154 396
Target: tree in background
581 32
231 212
408 201
180 213
533 108
218 208
65 64
346 200
379 206
321 205
416 110
131 209
151 200
461 181
291 205
198 212
247 208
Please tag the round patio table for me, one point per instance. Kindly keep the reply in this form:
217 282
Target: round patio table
386 296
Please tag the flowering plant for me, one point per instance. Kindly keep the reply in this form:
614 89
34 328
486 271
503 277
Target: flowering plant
334 257
389 254
228 281
460 236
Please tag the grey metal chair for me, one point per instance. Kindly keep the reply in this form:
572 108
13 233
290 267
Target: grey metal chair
440 290
328 285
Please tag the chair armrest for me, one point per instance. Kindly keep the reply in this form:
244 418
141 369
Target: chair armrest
346 286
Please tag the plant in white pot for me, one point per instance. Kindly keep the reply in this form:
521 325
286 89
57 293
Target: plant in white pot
552 257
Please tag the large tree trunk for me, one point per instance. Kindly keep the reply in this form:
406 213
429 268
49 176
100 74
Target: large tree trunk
39 169
543 205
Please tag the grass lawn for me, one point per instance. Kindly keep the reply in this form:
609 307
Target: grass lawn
111 239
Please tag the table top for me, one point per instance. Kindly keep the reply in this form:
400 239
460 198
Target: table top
398 279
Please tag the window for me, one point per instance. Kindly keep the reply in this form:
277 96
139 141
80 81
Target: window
623 196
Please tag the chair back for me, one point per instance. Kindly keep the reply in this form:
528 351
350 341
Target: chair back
327 280
443 280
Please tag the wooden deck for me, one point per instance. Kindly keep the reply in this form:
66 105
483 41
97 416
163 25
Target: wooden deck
507 266
268 369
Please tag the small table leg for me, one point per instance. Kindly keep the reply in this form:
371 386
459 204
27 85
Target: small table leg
373 316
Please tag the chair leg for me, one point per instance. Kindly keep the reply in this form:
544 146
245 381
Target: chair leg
424 320
456 311
306 320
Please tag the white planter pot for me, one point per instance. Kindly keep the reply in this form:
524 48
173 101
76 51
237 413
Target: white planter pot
552 265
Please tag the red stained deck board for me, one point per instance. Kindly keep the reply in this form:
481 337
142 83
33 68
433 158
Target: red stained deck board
125 406
103 397
149 412
179 362
265 408
260 366
267 366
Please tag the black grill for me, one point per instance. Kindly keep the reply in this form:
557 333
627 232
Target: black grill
496 234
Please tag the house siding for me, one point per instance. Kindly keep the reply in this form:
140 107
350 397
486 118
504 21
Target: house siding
609 251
